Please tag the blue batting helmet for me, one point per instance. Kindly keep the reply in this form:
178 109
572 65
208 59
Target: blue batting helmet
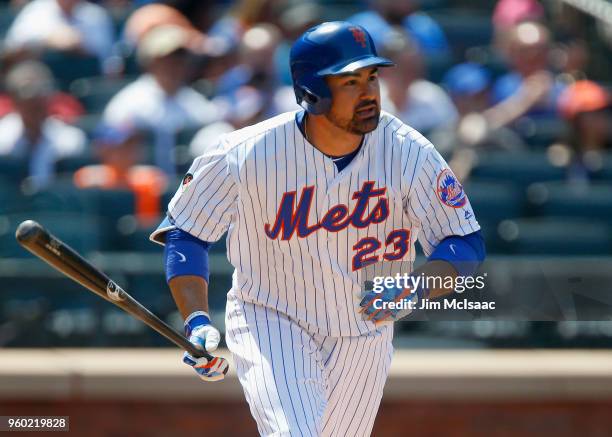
331 48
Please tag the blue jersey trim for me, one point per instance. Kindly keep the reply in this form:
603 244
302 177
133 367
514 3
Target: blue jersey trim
341 162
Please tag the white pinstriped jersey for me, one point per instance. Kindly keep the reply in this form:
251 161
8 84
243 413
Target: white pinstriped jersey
300 232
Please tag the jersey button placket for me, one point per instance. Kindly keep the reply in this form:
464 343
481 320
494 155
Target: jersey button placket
330 176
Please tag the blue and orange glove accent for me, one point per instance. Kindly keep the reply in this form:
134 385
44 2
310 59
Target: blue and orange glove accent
206 337
374 306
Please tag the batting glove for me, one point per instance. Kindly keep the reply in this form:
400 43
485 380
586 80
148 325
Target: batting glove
206 337
375 305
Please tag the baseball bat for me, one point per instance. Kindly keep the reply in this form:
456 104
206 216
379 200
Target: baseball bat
62 257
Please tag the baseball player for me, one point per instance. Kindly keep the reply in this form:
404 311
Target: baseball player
309 199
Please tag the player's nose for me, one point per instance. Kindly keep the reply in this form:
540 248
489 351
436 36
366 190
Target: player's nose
369 91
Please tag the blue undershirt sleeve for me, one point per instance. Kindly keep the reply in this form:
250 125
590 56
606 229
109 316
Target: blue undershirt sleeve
185 255
465 253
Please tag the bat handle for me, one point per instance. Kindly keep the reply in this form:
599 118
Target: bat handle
177 338
197 353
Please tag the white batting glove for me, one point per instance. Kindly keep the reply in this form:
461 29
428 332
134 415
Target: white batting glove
206 337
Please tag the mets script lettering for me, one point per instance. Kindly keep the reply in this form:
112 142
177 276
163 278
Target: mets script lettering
291 219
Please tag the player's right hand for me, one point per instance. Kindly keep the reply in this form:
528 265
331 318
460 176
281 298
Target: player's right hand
206 337
373 304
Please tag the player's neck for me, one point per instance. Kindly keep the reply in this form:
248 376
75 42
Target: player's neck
329 138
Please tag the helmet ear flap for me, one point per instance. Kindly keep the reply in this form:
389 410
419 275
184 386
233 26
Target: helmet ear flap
311 101
310 98
311 91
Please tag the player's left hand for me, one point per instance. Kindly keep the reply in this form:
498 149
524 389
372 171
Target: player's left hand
375 305
204 336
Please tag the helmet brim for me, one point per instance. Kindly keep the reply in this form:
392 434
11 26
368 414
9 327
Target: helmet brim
353 65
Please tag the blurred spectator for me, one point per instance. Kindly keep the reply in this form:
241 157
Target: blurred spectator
74 26
249 90
508 13
468 84
383 14
572 57
200 13
208 137
587 108
299 17
250 12
530 81
159 100
294 21
60 105
256 61
146 18
572 53
30 133
120 150
243 15
477 128
207 47
416 101
245 106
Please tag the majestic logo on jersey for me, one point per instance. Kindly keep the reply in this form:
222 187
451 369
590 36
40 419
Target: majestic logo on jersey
359 36
290 218
449 190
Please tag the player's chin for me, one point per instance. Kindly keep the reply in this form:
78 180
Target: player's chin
365 124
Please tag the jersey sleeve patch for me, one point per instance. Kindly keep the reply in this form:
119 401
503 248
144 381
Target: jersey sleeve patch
186 181
449 190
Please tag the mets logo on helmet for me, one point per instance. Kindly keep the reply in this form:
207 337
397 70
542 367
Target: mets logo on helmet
449 190
359 35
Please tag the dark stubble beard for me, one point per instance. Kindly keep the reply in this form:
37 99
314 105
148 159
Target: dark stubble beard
356 125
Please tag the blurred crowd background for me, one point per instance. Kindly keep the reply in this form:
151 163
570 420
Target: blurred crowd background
103 106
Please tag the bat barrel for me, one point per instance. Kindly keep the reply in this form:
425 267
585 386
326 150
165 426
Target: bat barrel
34 237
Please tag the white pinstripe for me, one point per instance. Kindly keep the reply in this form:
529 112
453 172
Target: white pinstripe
297 293
315 385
